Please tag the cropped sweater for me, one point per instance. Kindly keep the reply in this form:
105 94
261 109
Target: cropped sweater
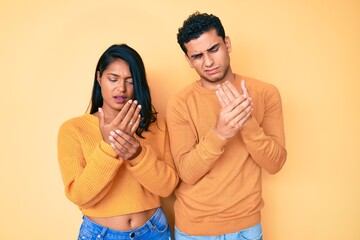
104 186
220 187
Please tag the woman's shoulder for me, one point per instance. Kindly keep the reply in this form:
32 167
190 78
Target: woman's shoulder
79 121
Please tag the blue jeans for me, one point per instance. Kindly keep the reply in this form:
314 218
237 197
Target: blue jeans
253 233
156 228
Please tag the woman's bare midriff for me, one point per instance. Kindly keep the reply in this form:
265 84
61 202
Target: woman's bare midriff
125 222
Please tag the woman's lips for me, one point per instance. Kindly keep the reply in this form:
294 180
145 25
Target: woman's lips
120 99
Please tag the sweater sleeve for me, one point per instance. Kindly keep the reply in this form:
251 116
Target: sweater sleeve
193 157
155 169
86 180
266 142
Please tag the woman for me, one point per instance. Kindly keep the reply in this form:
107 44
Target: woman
115 161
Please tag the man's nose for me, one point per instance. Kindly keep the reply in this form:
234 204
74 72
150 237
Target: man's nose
208 59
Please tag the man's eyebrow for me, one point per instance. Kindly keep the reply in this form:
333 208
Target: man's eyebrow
213 47
196 55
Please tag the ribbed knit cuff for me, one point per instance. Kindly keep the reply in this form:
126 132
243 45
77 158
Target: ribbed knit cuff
214 142
135 161
106 148
250 128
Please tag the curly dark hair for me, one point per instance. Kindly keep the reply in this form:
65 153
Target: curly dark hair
195 25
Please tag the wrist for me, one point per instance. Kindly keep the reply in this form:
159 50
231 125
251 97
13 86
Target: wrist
219 135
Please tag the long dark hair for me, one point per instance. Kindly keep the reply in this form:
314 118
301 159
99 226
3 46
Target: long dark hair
141 87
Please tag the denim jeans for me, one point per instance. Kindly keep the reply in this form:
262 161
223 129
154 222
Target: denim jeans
156 228
253 233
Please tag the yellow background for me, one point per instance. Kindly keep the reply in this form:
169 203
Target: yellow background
309 49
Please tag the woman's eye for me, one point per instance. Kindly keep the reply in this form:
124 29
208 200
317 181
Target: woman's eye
130 81
112 80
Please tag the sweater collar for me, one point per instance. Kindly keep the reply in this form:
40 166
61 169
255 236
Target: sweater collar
203 90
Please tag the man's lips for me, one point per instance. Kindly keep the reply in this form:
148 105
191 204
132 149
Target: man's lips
212 71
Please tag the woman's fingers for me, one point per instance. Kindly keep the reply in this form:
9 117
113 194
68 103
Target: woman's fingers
125 145
123 112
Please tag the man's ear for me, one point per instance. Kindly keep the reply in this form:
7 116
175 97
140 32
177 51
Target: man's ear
228 44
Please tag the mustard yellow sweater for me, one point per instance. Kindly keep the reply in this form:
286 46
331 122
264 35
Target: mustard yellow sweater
102 185
220 187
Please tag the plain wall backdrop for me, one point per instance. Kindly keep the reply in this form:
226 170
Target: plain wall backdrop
309 49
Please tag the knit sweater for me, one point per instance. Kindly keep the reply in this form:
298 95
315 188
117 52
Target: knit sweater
220 188
104 186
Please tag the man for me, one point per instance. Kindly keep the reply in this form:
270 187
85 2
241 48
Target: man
224 129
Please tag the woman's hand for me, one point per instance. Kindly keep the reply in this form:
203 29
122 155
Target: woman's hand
127 120
126 146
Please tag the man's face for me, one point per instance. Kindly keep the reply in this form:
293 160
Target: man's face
209 56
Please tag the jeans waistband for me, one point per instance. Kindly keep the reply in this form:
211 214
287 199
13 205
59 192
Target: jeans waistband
102 231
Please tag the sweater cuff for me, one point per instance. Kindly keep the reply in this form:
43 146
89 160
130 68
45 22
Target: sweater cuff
250 128
214 142
106 148
135 161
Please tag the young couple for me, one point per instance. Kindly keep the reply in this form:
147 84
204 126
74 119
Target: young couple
119 159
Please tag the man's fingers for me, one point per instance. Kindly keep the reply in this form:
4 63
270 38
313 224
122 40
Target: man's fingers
223 99
244 89
232 89
239 119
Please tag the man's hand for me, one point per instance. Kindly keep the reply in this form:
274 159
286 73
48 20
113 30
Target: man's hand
235 109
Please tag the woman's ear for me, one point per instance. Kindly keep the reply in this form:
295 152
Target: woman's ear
98 77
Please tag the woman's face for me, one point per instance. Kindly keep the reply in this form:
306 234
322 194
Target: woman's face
116 85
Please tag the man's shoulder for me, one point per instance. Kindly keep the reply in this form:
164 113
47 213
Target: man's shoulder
184 93
257 85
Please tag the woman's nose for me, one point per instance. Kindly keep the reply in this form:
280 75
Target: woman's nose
121 86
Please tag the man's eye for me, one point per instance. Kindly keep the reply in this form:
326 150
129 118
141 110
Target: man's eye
197 56
214 50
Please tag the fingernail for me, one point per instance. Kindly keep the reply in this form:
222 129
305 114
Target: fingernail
117 131
112 133
130 101
100 109
111 138
112 145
